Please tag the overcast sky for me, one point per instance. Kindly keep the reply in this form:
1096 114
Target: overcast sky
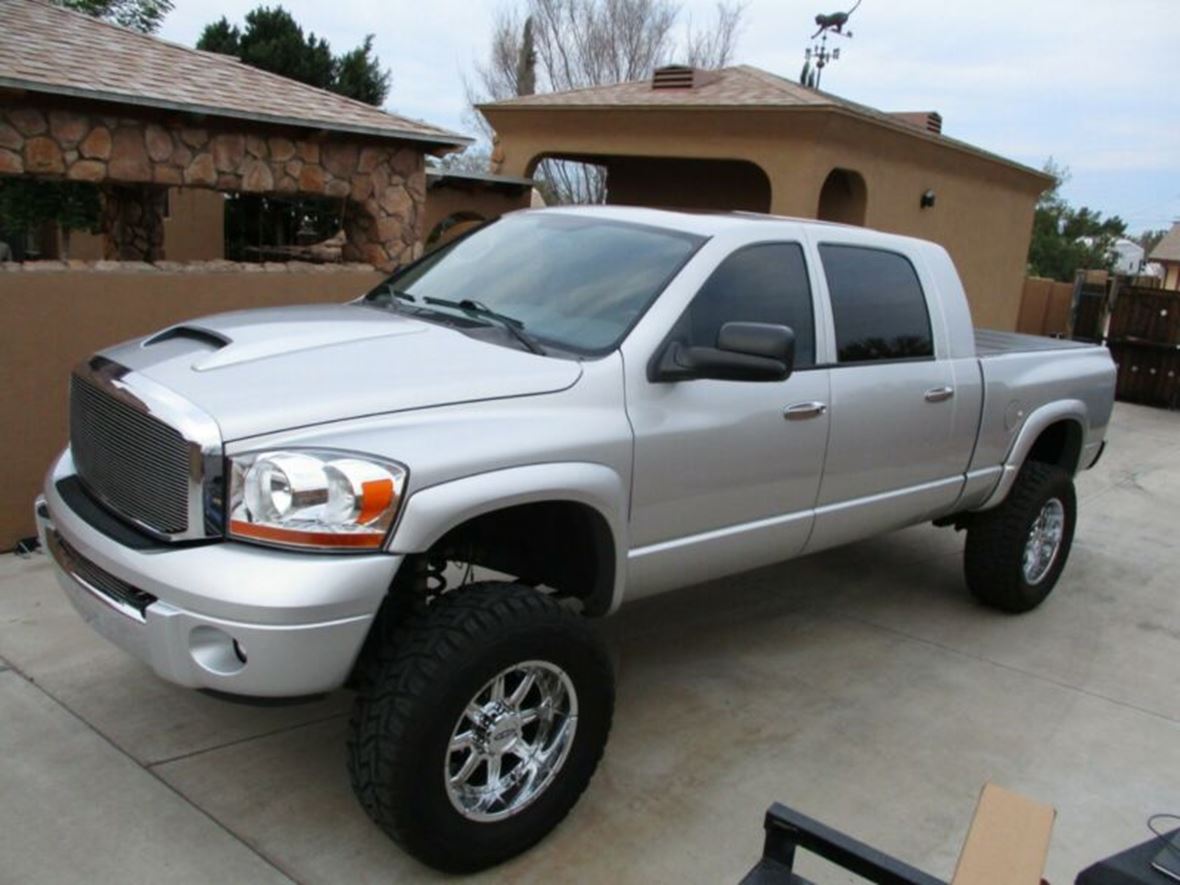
1092 83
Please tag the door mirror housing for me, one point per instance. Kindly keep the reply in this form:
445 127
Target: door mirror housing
744 352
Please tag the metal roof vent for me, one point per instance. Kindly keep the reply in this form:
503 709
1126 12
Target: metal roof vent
681 77
931 121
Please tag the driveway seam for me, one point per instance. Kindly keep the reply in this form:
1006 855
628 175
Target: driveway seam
1011 668
64 706
243 740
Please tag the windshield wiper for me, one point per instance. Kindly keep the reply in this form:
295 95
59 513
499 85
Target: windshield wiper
475 308
392 296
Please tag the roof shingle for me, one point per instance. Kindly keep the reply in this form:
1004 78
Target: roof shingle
737 87
44 48
1167 249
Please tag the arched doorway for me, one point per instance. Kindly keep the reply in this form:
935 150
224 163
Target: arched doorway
657 182
843 198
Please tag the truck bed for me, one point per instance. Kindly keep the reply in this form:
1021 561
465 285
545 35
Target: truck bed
991 343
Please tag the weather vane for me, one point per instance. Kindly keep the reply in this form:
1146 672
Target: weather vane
818 52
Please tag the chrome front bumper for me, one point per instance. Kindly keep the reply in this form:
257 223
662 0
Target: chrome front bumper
227 616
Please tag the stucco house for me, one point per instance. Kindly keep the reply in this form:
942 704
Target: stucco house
744 138
1167 255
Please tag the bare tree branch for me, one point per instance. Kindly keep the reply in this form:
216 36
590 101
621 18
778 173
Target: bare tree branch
713 47
580 43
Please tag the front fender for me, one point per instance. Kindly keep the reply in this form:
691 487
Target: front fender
432 512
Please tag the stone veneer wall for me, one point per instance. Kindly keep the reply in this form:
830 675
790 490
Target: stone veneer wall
133 221
382 182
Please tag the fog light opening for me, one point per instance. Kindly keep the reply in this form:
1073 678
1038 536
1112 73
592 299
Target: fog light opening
215 651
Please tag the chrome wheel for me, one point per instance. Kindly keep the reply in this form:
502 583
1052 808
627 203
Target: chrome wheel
511 741
1044 541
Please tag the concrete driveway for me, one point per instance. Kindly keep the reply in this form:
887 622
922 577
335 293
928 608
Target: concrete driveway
862 686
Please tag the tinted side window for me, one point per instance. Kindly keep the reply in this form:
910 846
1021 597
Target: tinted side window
758 284
878 305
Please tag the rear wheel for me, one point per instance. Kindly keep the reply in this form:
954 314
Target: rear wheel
1015 553
480 724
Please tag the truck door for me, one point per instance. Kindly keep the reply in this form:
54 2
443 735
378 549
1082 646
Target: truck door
896 455
724 478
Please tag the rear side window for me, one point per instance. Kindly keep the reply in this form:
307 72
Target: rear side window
766 283
878 305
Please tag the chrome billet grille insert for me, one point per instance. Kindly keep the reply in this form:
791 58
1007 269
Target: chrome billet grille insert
127 599
133 462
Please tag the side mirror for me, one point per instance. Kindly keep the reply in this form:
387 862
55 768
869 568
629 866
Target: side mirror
744 352
759 339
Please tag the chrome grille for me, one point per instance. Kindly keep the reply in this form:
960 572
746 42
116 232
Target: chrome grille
125 597
133 462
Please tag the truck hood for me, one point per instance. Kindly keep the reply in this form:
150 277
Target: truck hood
260 371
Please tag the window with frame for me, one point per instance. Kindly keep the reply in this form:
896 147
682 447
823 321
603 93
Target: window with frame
878 305
763 283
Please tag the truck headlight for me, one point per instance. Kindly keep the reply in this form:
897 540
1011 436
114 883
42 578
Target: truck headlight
314 498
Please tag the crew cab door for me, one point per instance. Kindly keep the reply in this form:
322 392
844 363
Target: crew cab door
900 439
724 480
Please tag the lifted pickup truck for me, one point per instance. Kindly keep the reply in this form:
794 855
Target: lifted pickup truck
426 493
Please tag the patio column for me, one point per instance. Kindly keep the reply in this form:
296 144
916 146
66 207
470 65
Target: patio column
133 222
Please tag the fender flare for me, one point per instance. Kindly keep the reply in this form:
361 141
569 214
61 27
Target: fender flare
1036 424
431 512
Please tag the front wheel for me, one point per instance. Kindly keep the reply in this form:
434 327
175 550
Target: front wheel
1015 553
480 725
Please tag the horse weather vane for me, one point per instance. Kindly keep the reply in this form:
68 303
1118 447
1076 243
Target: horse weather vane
817 56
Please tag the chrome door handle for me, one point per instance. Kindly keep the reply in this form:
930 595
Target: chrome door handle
803 411
939 394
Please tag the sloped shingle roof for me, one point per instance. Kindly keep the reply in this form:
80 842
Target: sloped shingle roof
1167 249
737 87
44 48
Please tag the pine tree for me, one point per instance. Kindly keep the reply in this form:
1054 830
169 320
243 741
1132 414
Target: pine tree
273 41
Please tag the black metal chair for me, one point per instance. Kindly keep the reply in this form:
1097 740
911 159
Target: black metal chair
787 830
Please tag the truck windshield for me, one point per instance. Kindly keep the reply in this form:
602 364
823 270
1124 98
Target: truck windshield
574 282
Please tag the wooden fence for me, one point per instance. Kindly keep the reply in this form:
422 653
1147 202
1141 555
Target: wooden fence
1144 340
1044 307
1136 319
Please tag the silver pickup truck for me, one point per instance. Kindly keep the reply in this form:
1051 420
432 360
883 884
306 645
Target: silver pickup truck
426 494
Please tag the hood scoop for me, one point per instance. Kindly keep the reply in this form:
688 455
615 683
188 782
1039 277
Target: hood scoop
247 342
205 337
271 369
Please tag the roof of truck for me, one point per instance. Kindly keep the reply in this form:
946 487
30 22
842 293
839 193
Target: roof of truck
706 223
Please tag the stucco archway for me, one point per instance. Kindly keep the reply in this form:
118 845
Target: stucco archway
843 198
721 185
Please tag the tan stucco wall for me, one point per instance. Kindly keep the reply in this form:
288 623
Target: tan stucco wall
983 212
444 200
1172 276
54 320
194 229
